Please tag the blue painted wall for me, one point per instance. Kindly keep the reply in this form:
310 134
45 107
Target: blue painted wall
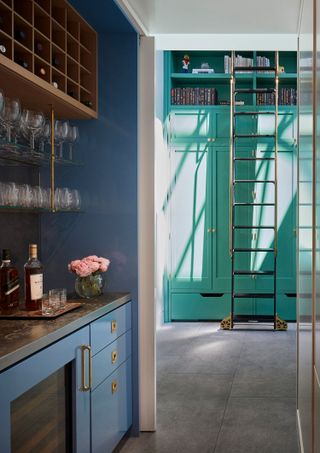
108 179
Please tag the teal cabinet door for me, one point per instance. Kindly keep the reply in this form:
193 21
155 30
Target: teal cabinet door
191 217
191 125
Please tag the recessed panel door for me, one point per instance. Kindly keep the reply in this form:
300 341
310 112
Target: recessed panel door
191 125
190 202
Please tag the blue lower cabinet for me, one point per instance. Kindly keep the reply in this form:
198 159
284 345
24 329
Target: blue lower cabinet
111 409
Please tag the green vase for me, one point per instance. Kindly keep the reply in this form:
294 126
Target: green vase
91 286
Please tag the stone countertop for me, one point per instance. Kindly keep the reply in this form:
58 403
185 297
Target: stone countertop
21 338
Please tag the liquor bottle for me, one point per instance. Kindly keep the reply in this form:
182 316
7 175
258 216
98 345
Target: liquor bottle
20 35
33 280
3 48
22 63
9 284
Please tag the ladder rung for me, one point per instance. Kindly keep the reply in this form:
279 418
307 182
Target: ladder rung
267 112
255 68
254 158
254 90
253 273
254 135
255 295
253 204
253 318
253 250
265 181
252 227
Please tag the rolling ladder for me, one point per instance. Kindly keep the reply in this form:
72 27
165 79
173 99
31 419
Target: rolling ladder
235 206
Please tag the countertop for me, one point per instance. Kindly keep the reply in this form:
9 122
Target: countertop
21 338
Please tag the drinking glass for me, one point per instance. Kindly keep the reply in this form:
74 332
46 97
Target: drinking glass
25 196
61 130
75 199
44 135
12 194
32 123
47 307
72 138
54 298
10 115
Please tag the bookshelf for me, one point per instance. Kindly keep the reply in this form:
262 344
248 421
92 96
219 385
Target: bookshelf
50 57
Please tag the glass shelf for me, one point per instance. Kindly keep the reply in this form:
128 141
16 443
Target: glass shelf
38 210
14 154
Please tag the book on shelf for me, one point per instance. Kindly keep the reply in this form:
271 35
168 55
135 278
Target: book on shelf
202 71
194 96
286 96
228 103
238 61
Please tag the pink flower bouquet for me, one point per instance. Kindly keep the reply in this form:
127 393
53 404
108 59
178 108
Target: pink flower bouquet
90 265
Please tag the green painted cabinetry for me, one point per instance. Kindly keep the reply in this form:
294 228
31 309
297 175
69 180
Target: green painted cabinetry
198 141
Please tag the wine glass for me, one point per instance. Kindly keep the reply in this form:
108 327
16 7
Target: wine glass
44 135
10 115
32 122
61 130
73 137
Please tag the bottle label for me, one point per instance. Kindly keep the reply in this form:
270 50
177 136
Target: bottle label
36 282
11 286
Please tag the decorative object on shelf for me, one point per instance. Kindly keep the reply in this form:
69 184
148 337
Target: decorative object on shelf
185 63
281 69
89 281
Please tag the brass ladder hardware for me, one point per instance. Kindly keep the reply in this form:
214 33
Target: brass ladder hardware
114 357
281 324
114 386
114 326
225 324
84 386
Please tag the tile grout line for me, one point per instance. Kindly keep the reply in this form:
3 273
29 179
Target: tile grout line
228 399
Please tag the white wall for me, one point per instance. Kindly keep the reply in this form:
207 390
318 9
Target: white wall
226 42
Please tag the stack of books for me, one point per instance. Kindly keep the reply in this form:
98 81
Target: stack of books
287 96
194 96
239 61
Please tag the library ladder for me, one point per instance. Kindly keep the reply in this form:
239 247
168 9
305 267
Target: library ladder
268 95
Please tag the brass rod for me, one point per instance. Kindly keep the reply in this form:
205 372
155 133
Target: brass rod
53 208
276 155
231 157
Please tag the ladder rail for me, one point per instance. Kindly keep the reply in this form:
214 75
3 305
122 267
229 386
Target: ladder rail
233 205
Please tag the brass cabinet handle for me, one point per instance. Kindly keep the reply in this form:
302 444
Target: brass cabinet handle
114 326
114 357
114 386
84 386
211 230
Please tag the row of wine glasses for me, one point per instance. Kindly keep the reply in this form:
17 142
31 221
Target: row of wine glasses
27 127
27 196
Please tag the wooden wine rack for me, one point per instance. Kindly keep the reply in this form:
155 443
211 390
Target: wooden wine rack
56 42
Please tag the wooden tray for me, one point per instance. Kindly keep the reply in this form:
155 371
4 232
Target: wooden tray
37 314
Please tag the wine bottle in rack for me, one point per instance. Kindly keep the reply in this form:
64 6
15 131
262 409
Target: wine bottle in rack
38 46
71 93
2 20
41 72
9 284
3 48
55 62
55 84
33 280
87 104
22 62
20 35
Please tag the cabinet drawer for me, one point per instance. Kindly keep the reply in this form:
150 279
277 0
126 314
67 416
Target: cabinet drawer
198 307
106 329
111 409
110 358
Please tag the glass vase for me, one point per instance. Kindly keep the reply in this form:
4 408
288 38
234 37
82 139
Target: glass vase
90 286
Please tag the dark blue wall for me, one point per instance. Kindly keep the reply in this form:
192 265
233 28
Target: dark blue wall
108 179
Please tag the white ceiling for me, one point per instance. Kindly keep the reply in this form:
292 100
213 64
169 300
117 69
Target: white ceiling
216 16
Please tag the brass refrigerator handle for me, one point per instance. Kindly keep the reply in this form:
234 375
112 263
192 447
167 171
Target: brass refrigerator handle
231 158
276 156
84 386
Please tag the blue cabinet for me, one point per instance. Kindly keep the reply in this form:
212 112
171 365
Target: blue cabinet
75 395
111 396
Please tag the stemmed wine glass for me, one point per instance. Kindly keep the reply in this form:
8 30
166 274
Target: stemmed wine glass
72 138
32 122
10 115
61 129
44 135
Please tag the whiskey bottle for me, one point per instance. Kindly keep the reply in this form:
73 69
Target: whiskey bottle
9 284
33 280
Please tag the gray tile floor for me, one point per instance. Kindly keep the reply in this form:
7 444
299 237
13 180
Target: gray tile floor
223 392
